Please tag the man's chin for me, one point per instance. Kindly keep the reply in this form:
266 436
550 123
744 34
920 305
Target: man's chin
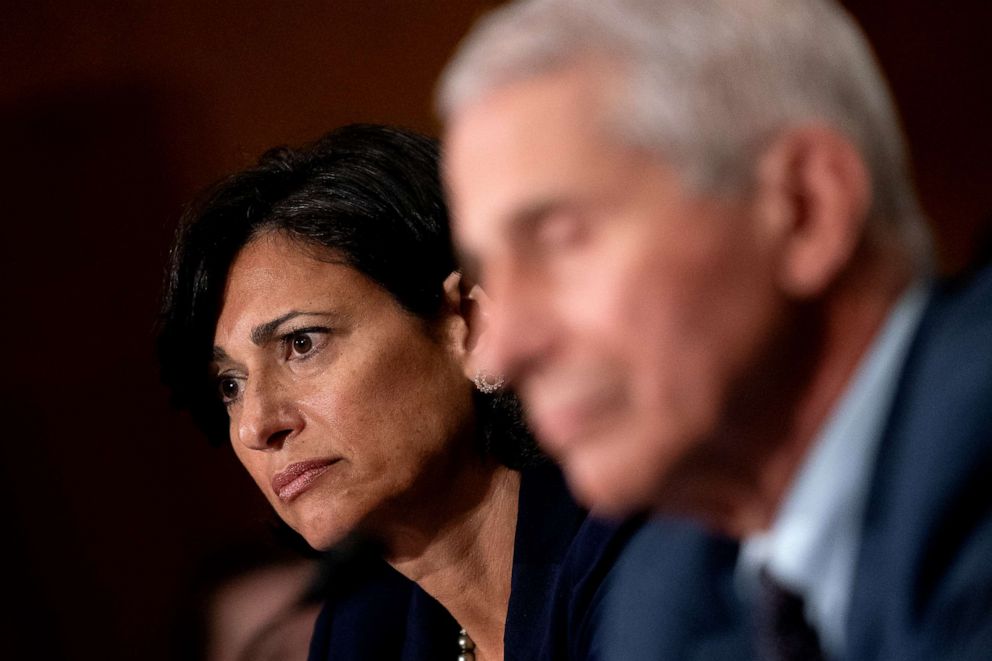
601 483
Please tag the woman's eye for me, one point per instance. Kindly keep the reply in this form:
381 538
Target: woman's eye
302 344
228 389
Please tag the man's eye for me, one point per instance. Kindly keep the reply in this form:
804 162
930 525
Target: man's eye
558 231
228 389
301 344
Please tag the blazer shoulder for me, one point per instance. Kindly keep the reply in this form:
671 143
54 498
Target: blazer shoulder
923 573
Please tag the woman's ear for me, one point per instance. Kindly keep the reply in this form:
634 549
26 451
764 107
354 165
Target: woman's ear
477 305
456 323
813 198
470 305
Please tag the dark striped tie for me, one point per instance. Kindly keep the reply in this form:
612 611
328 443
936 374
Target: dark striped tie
783 634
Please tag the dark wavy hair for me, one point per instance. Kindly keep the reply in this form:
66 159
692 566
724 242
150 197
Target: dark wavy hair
372 195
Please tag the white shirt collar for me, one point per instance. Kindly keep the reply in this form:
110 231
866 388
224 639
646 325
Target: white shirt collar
813 542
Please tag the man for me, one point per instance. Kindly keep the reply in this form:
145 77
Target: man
710 282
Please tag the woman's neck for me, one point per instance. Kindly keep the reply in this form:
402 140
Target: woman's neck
465 561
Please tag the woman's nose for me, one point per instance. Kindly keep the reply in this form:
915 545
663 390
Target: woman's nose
268 416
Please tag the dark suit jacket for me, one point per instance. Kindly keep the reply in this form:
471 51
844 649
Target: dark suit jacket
923 580
561 558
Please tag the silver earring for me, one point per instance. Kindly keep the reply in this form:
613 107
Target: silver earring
487 383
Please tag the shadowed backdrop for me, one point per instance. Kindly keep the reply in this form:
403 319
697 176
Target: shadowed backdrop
114 114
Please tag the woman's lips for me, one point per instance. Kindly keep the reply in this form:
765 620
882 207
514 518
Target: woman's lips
297 478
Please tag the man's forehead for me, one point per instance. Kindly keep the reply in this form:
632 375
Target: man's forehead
506 152
576 92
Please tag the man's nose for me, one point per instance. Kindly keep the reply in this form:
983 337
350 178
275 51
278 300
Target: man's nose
520 327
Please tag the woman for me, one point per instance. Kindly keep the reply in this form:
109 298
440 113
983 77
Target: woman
314 317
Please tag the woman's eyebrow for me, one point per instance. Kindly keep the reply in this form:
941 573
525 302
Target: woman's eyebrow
263 332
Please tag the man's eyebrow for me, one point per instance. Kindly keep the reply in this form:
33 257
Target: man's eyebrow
518 227
527 218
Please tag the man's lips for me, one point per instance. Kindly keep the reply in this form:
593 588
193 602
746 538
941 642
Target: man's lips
557 429
562 424
297 478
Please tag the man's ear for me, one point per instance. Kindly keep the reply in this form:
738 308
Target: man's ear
813 194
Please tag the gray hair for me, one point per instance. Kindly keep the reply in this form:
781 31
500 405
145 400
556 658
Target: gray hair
707 83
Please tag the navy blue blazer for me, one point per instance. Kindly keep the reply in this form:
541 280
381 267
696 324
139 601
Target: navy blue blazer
560 562
923 579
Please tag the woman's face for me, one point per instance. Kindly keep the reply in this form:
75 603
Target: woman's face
344 408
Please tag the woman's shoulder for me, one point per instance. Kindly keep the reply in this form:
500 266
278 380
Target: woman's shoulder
563 557
584 581
382 615
367 619
551 523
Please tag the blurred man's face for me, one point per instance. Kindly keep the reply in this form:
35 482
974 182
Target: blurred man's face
626 309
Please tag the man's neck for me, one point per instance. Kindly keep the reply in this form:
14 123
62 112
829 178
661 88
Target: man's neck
849 318
741 475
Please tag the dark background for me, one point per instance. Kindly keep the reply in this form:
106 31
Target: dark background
113 115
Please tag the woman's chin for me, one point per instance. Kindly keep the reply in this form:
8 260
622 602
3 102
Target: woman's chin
322 527
322 540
